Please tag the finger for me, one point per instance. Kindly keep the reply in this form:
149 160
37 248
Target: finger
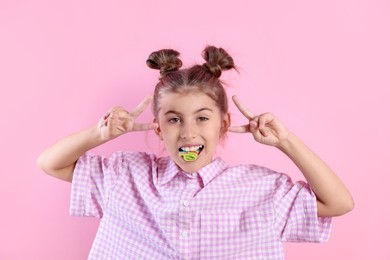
141 106
253 125
257 133
145 127
106 115
265 119
258 125
239 129
121 114
117 113
243 109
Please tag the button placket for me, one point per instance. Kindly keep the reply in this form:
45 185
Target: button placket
185 203
185 216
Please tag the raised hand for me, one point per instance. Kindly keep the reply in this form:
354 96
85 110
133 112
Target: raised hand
59 160
119 121
265 128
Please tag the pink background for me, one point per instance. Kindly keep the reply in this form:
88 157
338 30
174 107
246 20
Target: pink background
320 66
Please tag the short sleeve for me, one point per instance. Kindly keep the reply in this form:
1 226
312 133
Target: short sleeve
296 217
92 179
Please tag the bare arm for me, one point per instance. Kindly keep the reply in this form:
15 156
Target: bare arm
333 198
60 159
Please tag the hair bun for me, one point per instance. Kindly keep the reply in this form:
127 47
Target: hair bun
217 60
165 60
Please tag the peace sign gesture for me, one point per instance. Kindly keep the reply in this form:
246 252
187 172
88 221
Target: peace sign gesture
119 121
265 128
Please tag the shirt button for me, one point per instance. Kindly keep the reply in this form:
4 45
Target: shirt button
186 203
194 174
184 234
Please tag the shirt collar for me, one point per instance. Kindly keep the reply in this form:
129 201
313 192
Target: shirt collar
167 170
212 170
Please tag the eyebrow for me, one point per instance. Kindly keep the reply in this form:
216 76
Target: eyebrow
197 111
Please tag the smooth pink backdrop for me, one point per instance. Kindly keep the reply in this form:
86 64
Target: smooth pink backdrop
321 66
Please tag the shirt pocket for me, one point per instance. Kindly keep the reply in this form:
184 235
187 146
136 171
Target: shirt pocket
235 234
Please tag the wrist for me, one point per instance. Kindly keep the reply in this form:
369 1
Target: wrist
287 144
94 136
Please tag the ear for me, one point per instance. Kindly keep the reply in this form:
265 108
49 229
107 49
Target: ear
158 129
225 124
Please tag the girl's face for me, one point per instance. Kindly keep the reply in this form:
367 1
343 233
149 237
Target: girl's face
190 122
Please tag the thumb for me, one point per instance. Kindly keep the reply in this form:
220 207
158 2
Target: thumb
253 126
254 129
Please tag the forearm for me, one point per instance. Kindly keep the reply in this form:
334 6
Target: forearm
60 159
333 198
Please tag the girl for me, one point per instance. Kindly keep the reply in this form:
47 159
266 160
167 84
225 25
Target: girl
191 205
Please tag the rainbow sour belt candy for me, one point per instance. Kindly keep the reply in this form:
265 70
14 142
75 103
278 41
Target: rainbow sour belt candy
189 156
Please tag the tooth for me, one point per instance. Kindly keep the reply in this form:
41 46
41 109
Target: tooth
191 148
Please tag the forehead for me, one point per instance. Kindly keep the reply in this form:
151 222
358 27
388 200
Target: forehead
187 103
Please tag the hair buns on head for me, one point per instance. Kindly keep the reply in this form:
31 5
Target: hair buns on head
217 60
165 60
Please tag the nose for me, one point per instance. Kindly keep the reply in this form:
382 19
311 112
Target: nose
188 131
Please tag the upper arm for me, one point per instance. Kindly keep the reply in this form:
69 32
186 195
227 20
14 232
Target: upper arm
65 173
324 210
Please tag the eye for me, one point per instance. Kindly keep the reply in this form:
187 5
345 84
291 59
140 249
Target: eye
203 118
174 120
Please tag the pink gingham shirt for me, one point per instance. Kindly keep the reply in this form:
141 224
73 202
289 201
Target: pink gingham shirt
150 209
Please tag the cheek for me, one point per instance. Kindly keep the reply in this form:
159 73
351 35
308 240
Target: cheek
168 134
216 134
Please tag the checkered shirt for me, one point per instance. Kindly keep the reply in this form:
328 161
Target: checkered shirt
150 209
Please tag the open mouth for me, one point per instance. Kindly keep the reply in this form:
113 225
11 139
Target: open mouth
191 153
